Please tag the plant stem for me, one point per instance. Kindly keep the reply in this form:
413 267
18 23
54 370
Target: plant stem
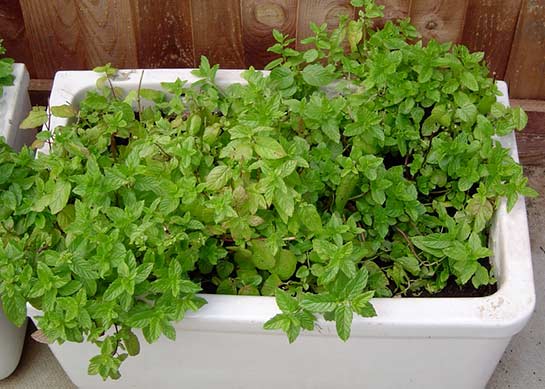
162 150
138 93
409 243
112 88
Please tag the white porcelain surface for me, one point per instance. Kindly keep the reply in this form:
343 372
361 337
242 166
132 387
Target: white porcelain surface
413 342
14 106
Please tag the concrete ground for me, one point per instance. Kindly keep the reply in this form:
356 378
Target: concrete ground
522 366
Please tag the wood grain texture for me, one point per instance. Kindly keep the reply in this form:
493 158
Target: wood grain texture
531 141
13 33
530 105
490 27
259 18
526 67
78 34
68 34
442 20
217 32
107 26
54 35
393 10
320 11
171 21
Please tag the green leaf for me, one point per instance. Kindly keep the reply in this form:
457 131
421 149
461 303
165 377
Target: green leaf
132 344
467 113
63 111
152 95
356 285
362 306
14 308
36 118
61 194
278 322
270 285
218 177
227 286
262 255
142 272
153 331
345 190
83 268
286 263
115 290
480 277
469 81
268 148
284 204
343 321
285 302
168 330
433 243
108 69
310 218
317 75
294 329
319 303
409 263
310 55
520 118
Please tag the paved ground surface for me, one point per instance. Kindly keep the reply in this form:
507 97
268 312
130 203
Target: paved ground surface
522 366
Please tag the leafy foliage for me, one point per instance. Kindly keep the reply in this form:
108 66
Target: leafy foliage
6 70
365 166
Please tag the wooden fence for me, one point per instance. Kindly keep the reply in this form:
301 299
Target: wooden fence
49 35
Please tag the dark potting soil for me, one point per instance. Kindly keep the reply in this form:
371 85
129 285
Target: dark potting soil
454 290
468 290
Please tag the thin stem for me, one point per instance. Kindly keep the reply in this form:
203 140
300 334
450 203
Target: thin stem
409 243
116 340
112 88
162 150
138 93
356 196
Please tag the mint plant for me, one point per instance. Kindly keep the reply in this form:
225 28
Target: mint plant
6 70
366 166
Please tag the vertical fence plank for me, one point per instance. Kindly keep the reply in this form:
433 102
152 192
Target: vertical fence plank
526 67
108 31
13 32
259 18
442 20
320 11
217 32
164 35
490 27
53 34
393 10
67 34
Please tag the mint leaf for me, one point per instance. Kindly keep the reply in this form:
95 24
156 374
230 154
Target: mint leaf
319 303
60 196
268 148
36 118
469 81
343 321
14 308
63 111
218 177
317 75
285 302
